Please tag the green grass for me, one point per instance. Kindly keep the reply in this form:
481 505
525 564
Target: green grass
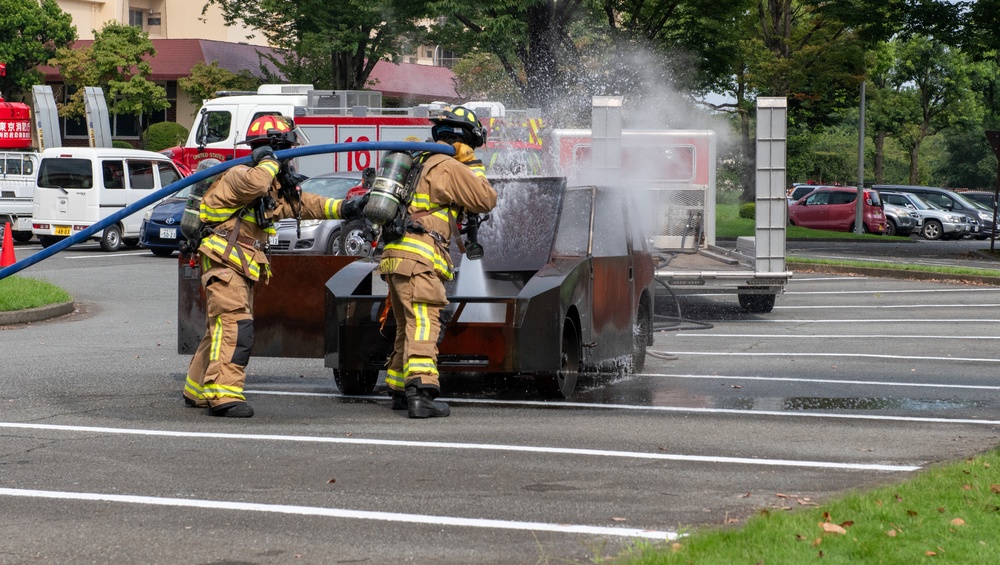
17 293
898 266
729 225
945 514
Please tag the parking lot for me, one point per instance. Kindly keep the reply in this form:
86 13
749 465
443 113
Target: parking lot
849 382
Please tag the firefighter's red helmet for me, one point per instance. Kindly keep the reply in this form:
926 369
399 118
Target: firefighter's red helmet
278 131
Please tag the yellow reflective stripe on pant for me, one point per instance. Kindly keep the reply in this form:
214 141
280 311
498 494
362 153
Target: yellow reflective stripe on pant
216 391
423 331
420 366
394 379
194 389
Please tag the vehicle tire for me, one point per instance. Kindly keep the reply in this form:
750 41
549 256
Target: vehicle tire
932 230
890 228
864 228
50 240
21 236
334 245
352 239
562 383
757 303
354 382
162 251
640 337
111 239
130 241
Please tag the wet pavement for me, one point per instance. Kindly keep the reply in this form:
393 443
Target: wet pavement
849 382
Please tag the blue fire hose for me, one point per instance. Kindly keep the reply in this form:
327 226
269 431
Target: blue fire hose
187 181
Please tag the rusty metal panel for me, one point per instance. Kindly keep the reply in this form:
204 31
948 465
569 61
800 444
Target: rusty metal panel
288 310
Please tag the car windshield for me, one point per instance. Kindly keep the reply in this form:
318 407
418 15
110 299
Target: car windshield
922 204
330 187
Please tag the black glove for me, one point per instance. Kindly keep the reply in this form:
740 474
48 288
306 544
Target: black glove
354 208
261 153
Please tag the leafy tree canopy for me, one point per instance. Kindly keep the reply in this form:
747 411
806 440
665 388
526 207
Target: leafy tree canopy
31 32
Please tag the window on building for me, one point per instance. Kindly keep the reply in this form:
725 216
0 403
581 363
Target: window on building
135 18
123 126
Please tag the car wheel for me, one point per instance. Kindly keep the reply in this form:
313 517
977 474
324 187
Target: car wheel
130 241
864 228
355 382
757 303
111 240
162 251
334 244
21 236
890 228
352 239
562 383
933 230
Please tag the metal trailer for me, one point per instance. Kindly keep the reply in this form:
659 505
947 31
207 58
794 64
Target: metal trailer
674 171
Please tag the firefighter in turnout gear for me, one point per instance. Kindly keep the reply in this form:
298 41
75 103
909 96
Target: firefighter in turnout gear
417 264
239 211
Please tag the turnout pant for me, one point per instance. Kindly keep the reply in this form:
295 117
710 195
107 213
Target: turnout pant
417 300
217 371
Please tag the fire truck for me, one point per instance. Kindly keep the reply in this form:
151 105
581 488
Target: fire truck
18 164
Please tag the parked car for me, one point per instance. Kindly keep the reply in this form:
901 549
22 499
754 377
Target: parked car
325 237
899 220
160 230
936 223
799 190
953 202
984 198
832 208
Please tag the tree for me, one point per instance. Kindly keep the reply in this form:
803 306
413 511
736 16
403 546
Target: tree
332 45
32 31
206 80
117 61
934 81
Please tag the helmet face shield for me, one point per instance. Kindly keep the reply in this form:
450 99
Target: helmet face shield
458 123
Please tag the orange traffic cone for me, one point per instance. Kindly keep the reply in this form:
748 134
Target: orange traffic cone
7 253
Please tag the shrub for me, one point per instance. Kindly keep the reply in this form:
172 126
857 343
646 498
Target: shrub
748 210
119 144
162 135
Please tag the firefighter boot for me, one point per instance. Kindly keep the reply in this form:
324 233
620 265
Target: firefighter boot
232 410
421 404
398 399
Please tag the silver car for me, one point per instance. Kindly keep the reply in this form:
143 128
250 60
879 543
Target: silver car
899 220
324 237
937 222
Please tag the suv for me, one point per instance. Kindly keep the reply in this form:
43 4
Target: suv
832 208
953 202
899 220
936 222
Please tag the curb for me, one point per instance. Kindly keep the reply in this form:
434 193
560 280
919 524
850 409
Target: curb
892 273
36 314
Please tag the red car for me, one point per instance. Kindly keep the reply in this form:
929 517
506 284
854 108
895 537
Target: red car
832 208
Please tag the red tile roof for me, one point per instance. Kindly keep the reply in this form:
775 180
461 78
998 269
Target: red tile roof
175 58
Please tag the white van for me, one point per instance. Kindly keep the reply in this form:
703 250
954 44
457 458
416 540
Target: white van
78 186
17 183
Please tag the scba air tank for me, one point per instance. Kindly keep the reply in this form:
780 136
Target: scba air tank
389 189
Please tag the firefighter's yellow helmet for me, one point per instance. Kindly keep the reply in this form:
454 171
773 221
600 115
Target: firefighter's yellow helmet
277 131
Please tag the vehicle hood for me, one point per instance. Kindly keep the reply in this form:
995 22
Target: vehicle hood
169 208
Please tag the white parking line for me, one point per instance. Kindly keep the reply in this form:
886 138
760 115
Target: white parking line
855 321
344 513
819 381
470 446
836 336
852 355
678 409
870 306
108 255
895 291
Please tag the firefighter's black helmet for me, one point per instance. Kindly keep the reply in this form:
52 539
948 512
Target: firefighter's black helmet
461 123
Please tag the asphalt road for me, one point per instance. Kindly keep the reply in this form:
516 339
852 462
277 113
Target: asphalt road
850 382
